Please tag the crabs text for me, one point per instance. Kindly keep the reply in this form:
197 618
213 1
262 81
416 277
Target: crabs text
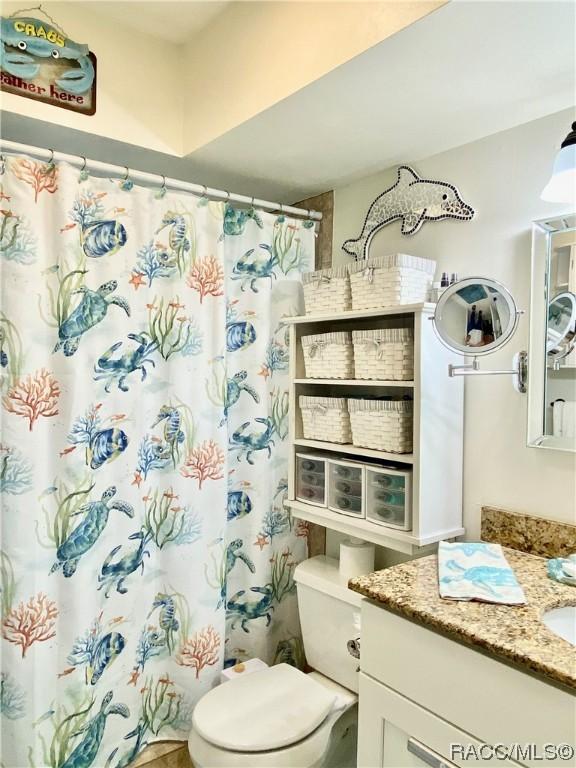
39 31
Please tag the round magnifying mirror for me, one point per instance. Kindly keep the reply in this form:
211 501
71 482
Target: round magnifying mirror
561 329
475 316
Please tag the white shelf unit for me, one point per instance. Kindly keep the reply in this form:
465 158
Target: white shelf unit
437 456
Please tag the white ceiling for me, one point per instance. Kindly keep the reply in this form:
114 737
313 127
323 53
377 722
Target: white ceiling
175 22
468 70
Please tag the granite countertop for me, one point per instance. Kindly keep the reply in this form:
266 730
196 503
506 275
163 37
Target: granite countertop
512 633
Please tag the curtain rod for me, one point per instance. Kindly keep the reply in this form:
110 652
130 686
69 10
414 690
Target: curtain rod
153 179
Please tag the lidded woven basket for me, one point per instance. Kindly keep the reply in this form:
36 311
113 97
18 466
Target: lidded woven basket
328 355
384 353
327 291
325 418
385 425
382 282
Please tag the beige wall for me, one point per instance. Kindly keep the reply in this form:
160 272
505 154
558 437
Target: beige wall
175 99
138 100
501 176
258 53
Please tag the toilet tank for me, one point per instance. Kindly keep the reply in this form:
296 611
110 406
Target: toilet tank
329 617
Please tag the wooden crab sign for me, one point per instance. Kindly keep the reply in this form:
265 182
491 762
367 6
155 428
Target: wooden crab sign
39 62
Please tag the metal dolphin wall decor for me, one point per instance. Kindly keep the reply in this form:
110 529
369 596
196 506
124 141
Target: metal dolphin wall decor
414 201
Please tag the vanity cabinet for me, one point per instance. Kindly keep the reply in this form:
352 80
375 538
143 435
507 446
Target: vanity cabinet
396 733
421 692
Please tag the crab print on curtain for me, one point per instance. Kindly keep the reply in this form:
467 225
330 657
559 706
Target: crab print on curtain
113 464
265 255
143 458
143 424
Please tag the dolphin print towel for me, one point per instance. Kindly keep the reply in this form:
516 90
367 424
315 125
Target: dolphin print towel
469 571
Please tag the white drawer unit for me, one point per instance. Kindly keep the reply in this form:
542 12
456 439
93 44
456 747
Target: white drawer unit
346 487
388 497
311 479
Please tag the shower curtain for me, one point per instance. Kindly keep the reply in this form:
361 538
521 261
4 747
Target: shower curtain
143 538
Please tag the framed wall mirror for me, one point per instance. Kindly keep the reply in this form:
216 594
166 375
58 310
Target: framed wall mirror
552 392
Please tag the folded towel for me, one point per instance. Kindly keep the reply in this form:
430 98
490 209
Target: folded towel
468 571
563 569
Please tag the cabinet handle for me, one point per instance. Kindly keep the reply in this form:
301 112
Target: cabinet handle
428 756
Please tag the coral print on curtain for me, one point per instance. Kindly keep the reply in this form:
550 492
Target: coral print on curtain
113 476
265 255
143 538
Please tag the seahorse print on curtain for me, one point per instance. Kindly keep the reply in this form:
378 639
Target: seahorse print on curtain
265 255
143 426
113 464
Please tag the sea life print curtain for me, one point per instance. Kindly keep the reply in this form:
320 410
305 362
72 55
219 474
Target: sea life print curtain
263 543
143 422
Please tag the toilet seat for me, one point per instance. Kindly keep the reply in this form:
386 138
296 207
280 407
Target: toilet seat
264 711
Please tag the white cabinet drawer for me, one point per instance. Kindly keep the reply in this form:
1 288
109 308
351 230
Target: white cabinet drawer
396 733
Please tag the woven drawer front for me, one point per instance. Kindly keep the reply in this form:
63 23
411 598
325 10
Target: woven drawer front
328 355
388 281
384 354
327 291
325 418
382 425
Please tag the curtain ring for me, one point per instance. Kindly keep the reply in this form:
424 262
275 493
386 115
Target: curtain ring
162 190
2 165
126 183
203 199
227 197
50 163
309 223
84 173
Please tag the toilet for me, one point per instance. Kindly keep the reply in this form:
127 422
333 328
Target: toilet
280 717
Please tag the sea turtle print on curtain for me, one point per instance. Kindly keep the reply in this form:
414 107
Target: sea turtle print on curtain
113 476
143 538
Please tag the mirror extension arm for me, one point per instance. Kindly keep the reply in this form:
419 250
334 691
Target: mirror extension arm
473 369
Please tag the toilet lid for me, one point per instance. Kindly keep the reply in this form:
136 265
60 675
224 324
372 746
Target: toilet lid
265 710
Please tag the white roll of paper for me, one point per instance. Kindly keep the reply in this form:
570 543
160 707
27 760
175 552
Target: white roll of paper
356 559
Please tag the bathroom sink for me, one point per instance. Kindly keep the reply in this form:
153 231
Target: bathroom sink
562 621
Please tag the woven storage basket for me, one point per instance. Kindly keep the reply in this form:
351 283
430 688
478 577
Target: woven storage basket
325 418
386 353
328 355
385 425
387 281
327 291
